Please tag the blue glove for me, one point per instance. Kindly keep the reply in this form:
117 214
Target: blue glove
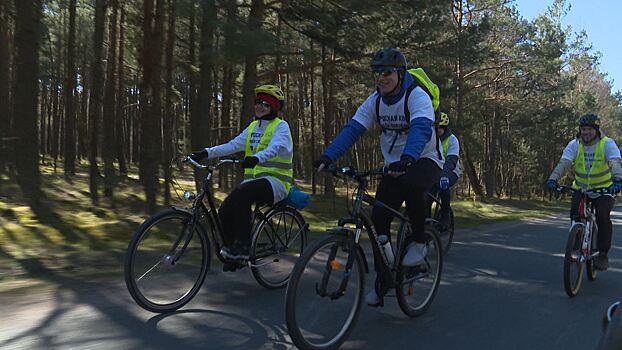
297 199
444 183
616 187
551 184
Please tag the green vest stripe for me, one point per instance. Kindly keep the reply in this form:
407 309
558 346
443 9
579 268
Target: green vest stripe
599 174
278 167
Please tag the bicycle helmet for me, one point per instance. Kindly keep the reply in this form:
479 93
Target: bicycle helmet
444 120
271 94
388 57
589 119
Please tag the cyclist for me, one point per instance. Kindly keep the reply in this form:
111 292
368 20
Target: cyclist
268 171
451 168
597 164
409 146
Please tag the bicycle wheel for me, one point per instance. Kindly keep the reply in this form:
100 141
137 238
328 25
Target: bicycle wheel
277 243
154 279
592 273
447 235
573 267
318 314
416 286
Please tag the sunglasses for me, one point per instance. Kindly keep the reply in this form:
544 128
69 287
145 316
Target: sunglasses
263 103
384 72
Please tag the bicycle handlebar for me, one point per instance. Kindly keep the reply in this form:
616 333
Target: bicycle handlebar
599 190
352 172
220 162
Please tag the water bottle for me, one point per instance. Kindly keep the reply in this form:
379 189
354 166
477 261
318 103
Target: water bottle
386 246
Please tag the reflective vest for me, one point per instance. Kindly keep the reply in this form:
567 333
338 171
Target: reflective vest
278 167
445 146
599 174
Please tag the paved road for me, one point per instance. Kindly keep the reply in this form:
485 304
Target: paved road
501 289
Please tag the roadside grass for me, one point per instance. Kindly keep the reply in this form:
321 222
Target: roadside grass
69 236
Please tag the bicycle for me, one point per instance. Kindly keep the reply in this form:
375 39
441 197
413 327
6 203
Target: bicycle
333 270
446 234
169 255
581 244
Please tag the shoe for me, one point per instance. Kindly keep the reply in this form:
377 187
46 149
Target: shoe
231 266
235 253
415 255
601 262
372 298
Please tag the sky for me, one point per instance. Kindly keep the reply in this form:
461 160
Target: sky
601 21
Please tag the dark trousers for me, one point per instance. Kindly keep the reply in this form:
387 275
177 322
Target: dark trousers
444 195
603 206
235 211
411 187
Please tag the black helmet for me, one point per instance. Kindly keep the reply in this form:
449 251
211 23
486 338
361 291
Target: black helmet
388 57
589 119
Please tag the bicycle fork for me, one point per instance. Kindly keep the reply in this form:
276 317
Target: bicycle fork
331 265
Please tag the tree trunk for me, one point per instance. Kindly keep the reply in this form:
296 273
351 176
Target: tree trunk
70 86
469 168
255 19
168 116
120 130
5 84
110 104
199 123
329 111
96 102
27 34
150 100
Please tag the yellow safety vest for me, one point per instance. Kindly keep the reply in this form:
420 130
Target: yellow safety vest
599 174
445 146
278 167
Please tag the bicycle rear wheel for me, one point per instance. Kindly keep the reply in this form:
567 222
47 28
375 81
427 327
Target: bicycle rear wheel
573 267
447 235
318 313
158 280
416 286
278 241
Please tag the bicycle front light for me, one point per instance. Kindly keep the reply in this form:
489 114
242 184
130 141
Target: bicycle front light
189 195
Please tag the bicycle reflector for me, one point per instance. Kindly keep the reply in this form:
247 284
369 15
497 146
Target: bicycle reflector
189 195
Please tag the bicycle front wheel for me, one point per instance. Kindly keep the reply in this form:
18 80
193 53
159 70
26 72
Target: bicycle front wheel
277 243
160 275
416 286
323 300
573 267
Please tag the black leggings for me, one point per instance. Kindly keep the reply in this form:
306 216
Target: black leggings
444 195
603 206
411 187
235 211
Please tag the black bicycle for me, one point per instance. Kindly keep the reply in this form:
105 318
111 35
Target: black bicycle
445 232
170 253
581 244
325 291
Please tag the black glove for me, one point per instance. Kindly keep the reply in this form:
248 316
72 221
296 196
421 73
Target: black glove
250 162
198 155
323 160
401 165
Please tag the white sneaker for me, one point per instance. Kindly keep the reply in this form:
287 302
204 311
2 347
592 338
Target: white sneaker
372 299
415 255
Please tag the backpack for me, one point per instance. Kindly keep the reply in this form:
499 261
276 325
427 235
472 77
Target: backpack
422 80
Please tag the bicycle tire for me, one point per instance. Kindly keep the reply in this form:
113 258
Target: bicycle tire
592 272
282 242
572 284
301 334
446 236
153 238
409 277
